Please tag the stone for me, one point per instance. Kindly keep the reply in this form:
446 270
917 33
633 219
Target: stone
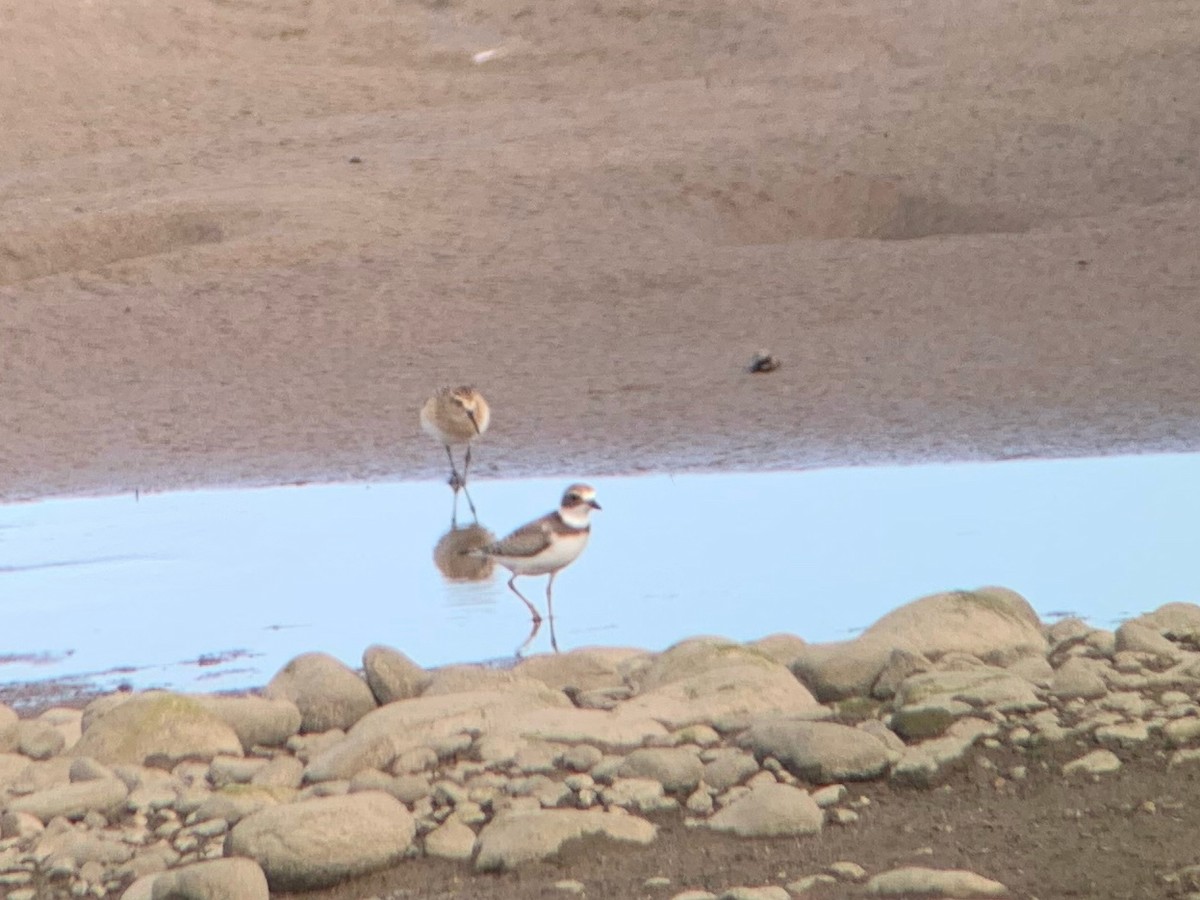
1079 678
621 729
1098 762
769 810
234 804
916 880
675 768
643 794
978 687
766 892
72 801
842 669
1182 731
729 769
900 665
995 624
716 682
257 721
808 882
1180 621
391 675
820 752
158 729
584 669
39 740
1123 734
518 837
326 691
925 764
390 732
317 843
282 771
783 648
217 879
924 721
451 840
19 825
843 870
1137 638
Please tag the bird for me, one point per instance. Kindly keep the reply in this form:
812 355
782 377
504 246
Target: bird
546 546
456 416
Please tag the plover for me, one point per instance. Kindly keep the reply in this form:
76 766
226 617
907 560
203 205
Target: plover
456 416
546 546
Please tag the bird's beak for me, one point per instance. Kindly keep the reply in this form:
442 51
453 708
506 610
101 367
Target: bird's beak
471 416
594 505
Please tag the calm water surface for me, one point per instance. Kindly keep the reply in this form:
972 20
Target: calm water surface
214 590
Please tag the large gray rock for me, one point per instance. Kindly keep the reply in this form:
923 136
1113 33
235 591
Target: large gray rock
328 694
391 675
981 687
405 725
844 669
1079 678
72 801
923 882
317 843
217 879
514 838
585 669
820 752
995 624
257 721
159 729
1138 638
1180 621
675 768
770 810
717 682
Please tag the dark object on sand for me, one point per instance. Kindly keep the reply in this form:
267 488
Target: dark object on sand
763 362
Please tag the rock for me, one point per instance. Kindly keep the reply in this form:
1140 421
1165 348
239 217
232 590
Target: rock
72 801
1136 638
317 843
520 837
921 722
783 648
694 895
1098 762
675 768
1034 669
1182 731
156 728
141 889
719 683
820 752
85 846
995 624
7 716
389 732
621 729
234 804
585 669
836 671
978 687
1180 621
844 870
642 794
327 693
769 810
900 665
217 879
729 769
451 840
1123 734
282 771
38 740
471 679
19 825
1079 678
924 765
391 675
257 721
767 892
923 882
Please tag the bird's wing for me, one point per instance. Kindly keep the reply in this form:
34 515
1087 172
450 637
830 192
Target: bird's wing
528 540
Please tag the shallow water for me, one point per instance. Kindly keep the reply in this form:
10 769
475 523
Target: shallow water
215 590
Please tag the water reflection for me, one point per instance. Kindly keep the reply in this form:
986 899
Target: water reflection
244 580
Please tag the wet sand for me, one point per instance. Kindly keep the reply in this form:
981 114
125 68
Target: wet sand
240 244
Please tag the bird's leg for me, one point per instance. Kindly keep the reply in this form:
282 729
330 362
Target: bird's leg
537 616
470 502
456 480
454 513
533 630
550 610
466 464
